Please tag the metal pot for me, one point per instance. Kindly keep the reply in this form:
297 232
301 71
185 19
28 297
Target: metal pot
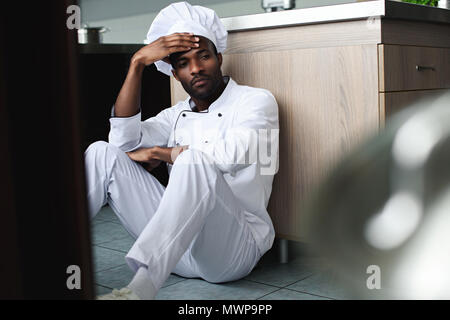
91 34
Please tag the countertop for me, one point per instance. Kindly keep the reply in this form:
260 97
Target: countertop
341 12
383 9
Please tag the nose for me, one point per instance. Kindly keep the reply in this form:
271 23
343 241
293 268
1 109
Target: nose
196 66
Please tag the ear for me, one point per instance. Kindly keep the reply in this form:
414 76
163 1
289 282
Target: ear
219 58
175 74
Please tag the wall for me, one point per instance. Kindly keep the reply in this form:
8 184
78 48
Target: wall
129 21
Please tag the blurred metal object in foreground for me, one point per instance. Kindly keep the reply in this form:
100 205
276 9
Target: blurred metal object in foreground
275 5
91 34
386 207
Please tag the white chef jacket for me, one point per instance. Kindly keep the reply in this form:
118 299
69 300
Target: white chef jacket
226 131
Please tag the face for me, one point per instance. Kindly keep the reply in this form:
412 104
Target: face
198 70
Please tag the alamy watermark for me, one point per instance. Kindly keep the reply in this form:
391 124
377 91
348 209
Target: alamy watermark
374 280
74 20
233 149
74 278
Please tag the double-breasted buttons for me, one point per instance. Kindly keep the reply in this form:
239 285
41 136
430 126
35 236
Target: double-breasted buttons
184 114
219 114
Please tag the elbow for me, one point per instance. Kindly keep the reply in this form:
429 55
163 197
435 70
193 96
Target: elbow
126 145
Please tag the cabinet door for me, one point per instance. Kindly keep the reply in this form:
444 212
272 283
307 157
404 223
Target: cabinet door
405 68
328 103
393 102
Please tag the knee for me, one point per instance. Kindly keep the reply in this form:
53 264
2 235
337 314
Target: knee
102 147
99 152
96 147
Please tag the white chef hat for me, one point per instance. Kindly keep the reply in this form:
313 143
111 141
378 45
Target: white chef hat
183 17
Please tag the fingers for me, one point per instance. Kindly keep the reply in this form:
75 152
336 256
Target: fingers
184 35
176 42
181 40
181 43
178 49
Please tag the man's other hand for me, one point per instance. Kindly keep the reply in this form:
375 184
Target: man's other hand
151 157
145 155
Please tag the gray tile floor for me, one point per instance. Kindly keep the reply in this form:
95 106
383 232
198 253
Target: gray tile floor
302 278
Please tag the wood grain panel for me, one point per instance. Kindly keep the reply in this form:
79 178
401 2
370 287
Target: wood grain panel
393 102
345 33
397 67
328 103
415 33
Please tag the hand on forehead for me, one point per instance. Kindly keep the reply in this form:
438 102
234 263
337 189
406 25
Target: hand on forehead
196 21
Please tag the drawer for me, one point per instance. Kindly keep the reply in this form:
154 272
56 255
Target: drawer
404 68
393 102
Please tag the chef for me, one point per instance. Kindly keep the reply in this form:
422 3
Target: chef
210 221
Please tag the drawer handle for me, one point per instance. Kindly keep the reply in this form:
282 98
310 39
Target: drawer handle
423 68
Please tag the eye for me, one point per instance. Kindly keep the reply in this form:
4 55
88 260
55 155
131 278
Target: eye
206 56
182 64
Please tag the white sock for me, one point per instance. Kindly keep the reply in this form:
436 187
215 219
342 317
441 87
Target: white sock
142 286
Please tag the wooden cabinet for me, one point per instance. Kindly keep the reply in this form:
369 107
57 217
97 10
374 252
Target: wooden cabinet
327 102
392 102
410 73
335 84
405 68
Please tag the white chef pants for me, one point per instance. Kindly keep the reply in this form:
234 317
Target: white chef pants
193 228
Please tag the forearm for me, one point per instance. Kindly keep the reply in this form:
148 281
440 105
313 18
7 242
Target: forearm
129 98
168 155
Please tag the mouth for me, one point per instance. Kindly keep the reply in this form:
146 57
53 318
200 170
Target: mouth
199 82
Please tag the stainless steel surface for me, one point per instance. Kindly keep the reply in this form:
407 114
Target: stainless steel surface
386 207
341 12
275 5
91 34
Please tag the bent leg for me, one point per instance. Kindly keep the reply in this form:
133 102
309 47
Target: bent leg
112 177
197 204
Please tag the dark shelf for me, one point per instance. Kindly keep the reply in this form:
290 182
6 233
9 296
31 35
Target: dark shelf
102 48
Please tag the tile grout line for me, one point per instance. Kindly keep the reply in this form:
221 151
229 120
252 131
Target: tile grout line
175 283
286 287
281 287
308 276
103 286
311 294
103 242
117 250
266 284
120 265
268 293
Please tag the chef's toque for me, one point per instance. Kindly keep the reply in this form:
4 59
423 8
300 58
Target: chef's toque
183 17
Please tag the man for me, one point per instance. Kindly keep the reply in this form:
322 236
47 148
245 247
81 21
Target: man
211 220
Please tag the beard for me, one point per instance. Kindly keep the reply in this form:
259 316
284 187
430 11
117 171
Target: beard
206 91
